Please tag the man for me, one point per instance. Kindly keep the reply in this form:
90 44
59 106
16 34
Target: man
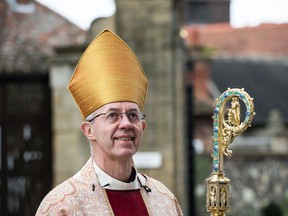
110 88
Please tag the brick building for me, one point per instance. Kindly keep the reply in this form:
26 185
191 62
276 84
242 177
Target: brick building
255 59
28 33
47 52
39 42
153 36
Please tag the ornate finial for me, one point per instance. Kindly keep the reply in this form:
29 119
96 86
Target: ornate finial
227 125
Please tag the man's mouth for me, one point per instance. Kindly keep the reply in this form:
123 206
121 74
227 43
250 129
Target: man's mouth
125 138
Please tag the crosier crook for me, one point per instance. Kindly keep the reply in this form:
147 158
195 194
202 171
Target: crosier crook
226 126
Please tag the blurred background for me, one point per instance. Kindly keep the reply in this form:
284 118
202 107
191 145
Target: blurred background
191 51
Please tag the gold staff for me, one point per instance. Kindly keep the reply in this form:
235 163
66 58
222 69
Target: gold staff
226 126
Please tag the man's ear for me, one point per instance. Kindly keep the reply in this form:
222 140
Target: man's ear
87 130
143 124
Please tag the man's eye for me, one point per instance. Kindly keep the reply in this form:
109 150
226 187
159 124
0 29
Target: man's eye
132 115
112 115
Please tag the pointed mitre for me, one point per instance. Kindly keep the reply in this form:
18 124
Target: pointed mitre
107 72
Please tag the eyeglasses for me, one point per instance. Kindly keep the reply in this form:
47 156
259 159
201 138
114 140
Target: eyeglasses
134 117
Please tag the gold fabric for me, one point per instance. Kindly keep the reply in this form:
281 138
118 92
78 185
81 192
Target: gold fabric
108 71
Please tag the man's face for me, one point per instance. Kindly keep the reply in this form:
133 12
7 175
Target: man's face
116 136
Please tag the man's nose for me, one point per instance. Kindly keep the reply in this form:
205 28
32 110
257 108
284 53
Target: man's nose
124 120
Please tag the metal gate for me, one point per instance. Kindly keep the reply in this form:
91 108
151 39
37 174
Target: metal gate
25 143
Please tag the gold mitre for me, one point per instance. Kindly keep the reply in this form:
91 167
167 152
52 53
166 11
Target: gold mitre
108 71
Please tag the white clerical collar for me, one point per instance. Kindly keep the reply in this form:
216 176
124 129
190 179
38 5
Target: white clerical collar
109 182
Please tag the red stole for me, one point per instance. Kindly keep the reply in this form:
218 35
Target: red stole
127 202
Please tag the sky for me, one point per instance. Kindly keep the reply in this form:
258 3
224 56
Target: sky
243 13
81 12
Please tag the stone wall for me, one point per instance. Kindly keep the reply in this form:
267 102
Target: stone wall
257 170
255 183
151 30
70 147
